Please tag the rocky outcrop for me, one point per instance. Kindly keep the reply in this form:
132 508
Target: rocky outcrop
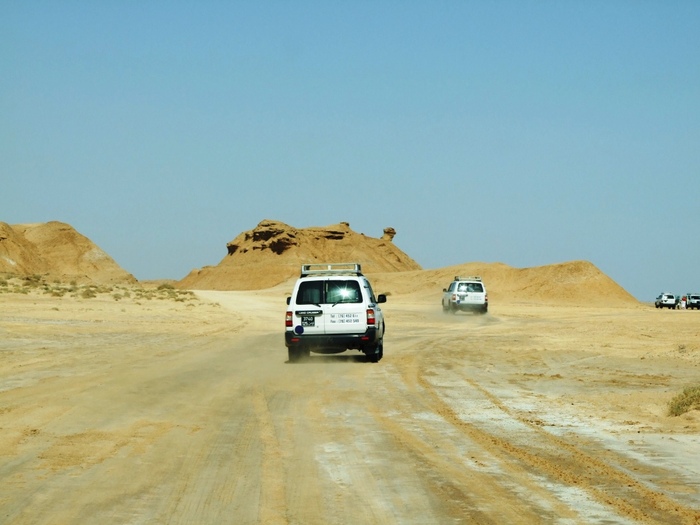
273 252
389 234
268 235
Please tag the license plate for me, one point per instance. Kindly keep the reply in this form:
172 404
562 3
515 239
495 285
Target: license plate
308 320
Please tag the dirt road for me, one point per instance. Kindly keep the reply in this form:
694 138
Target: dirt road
187 412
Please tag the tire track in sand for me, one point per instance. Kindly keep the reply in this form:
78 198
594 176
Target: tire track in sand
553 457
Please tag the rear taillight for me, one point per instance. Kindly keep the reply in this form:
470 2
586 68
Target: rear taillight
288 320
486 298
370 316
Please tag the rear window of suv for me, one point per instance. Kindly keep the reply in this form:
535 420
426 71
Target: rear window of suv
329 292
470 287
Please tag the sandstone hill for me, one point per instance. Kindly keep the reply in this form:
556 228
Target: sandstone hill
56 251
273 252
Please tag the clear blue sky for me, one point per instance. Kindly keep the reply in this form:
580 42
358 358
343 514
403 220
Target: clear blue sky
527 133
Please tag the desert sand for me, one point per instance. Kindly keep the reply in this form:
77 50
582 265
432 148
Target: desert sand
552 408
173 402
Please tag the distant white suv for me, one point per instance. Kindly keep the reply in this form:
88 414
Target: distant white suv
665 300
692 301
465 294
333 309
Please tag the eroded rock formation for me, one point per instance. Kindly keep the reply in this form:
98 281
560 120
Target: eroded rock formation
273 252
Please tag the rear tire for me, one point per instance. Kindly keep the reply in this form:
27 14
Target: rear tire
295 354
378 353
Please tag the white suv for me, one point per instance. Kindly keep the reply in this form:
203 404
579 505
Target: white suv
692 301
333 309
465 294
665 300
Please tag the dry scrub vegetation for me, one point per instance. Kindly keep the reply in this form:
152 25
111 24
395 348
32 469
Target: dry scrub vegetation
687 400
37 284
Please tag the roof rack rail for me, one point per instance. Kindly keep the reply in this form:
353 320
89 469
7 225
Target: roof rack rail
468 278
331 269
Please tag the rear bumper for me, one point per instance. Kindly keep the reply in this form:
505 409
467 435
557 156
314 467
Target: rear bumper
332 343
469 307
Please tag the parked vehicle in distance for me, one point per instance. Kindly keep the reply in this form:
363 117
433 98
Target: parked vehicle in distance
665 300
465 294
333 309
692 301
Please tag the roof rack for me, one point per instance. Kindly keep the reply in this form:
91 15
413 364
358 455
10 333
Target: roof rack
331 269
468 278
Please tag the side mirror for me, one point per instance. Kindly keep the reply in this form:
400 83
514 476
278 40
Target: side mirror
444 289
381 298
289 300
